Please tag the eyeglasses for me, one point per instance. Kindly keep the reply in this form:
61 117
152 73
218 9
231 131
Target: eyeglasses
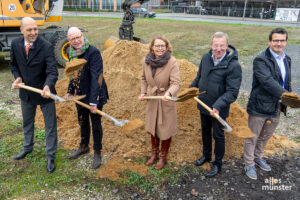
277 41
75 38
160 46
216 46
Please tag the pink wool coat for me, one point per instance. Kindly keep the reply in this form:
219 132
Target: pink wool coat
161 116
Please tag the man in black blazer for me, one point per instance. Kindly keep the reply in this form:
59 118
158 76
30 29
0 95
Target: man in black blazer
32 62
89 82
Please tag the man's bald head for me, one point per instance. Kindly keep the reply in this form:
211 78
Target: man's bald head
75 37
27 20
29 29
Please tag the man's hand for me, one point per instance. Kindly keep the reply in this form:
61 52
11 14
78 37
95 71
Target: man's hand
93 109
46 92
141 97
67 96
16 82
214 111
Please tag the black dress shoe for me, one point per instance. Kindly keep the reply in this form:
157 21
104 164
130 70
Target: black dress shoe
201 161
83 149
21 155
213 171
50 165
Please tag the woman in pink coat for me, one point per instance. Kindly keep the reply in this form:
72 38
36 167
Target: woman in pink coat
160 77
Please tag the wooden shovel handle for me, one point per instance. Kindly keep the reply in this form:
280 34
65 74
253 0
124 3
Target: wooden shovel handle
156 97
36 90
88 107
209 110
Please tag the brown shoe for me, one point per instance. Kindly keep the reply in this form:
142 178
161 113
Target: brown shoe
155 149
83 149
165 145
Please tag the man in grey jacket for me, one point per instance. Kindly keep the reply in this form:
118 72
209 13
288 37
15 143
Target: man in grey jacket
271 78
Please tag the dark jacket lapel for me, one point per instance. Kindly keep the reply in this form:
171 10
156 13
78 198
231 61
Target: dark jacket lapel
21 49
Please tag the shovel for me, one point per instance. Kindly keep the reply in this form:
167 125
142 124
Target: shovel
182 98
125 125
116 122
227 128
36 90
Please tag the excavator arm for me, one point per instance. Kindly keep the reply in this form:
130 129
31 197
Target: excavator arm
126 28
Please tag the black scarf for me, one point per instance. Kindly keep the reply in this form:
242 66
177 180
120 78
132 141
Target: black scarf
157 62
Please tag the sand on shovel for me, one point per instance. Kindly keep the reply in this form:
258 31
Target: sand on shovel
122 72
132 125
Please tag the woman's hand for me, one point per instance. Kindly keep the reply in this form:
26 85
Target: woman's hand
141 97
165 98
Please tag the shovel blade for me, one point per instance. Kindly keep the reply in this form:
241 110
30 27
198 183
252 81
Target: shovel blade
120 123
227 128
58 98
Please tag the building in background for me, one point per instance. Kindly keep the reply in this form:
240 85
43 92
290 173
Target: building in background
254 8
112 5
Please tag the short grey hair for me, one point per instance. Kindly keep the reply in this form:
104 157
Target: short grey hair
220 35
74 30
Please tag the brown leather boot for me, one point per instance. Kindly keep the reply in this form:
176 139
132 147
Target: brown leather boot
155 149
165 145
81 150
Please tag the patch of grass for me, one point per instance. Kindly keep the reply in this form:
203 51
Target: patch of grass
27 177
156 179
297 139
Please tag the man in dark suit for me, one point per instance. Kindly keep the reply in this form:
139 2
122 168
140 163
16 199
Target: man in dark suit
33 63
89 82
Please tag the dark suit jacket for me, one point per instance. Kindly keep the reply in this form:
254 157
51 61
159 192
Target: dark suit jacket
266 90
88 84
221 83
36 70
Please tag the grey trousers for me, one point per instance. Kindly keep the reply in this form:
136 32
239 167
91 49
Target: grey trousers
263 129
49 113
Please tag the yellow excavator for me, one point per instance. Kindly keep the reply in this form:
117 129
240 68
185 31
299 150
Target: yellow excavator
11 13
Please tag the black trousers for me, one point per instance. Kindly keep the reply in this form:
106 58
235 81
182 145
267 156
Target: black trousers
210 126
84 116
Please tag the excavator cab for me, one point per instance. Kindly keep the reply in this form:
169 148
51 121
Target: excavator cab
12 12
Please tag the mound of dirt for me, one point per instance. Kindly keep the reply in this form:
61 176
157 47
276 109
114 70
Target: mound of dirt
122 72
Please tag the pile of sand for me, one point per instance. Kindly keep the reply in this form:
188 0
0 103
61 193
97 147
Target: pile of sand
122 72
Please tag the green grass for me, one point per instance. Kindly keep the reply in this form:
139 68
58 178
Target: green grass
156 179
190 40
28 177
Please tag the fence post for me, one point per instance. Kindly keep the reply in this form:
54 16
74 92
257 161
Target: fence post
245 6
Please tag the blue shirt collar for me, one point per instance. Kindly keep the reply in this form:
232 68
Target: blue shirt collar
276 56
217 62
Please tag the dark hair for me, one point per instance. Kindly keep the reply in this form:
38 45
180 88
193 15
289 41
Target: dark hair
279 31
